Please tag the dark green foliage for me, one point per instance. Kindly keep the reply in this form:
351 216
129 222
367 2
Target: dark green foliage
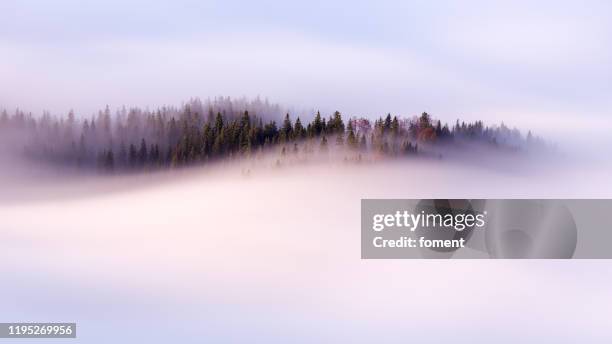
424 121
317 125
298 130
335 124
286 131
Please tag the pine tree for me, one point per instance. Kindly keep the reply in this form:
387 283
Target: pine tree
336 125
351 139
217 148
317 124
424 121
286 131
387 124
439 129
395 128
245 121
298 130
218 123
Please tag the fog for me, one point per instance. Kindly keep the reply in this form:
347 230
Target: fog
253 250
268 249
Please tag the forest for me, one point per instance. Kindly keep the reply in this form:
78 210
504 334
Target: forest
201 132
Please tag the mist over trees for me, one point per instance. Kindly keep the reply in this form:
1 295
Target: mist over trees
201 132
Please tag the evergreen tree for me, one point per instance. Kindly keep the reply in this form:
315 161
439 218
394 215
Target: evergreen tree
336 125
387 124
395 127
142 153
317 124
439 129
245 121
218 123
298 130
351 139
424 121
218 148
286 131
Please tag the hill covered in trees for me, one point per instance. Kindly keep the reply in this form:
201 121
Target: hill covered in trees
202 132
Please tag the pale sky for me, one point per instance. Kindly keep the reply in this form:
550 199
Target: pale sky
524 62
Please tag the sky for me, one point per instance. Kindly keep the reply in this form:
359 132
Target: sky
522 62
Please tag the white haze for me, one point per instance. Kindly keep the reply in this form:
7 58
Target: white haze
535 65
249 251
262 254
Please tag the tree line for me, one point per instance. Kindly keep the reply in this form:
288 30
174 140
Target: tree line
140 139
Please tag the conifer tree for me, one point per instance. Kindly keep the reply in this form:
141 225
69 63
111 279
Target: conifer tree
387 123
351 139
245 121
286 130
317 124
336 125
298 130
217 148
395 128
424 121
218 123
